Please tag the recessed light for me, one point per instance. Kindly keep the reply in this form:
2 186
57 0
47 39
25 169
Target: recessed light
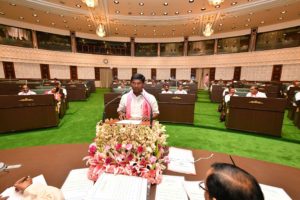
66 26
65 21
246 25
153 13
165 13
75 18
37 20
2 13
194 28
52 23
191 1
248 19
116 28
193 33
35 15
166 4
47 12
61 15
202 9
233 3
117 12
251 13
220 24
21 17
78 5
141 3
89 25
12 4
141 13
280 18
134 30
217 6
189 11
116 2
262 22
283 12
154 30
176 13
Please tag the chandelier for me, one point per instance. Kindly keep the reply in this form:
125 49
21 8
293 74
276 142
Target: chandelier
100 31
215 2
90 3
208 31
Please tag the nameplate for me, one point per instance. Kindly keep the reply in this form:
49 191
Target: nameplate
176 98
26 100
256 102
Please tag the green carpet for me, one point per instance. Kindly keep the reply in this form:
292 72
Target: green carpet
78 126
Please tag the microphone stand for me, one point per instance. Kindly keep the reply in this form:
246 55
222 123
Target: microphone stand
151 112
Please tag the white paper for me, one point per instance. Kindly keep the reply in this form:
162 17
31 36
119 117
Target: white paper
113 187
274 193
181 160
77 185
171 188
193 190
135 122
13 195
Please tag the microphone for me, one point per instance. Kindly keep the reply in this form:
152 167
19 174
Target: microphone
151 113
4 167
111 101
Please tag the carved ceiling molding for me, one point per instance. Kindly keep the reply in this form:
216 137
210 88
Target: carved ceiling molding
258 58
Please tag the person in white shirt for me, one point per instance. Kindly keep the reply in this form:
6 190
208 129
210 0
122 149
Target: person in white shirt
180 90
255 93
297 96
137 103
294 84
166 90
26 91
230 94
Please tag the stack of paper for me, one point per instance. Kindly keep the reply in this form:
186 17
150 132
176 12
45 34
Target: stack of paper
13 195
171 188
181 160
193 190
112 187
274 193
77 185
136 122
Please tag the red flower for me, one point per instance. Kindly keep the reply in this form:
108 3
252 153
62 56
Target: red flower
107 160
140 149
130 157
118 147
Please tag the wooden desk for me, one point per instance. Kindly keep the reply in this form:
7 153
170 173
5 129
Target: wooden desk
258 115
111 110
176 108
27 112
61 159
76 92
216 94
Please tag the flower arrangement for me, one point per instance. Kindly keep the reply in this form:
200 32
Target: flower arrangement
133 150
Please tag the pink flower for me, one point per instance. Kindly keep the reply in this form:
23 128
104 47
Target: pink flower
107 147
153 159
140 149
130 157
128 147
92 149
118 147
108 160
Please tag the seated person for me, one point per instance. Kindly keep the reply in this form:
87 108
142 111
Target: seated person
153 83
230 94
26 91
137 103
255 93
166 89
62 90
226 181
180 90
294 84
37 191
122 86
55 92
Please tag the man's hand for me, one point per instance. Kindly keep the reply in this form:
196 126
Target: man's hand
145 119
122 116
23 183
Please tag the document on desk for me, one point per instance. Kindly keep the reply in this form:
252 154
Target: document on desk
171 188
274 193
181 160
112 187
135 122
77 185
13 195
193 190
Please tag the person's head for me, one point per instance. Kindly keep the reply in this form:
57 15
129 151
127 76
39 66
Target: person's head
123 85
180 87
296 83
253 89
231 90
166 87
25 88
54 90
137 82
225 181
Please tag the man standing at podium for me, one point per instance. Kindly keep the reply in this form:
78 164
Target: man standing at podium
137 103
255 93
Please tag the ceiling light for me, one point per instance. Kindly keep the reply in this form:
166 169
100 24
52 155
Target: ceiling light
100 31
12 4
89 25
78 5
202 9
117 11
61 15
246 25
176 13
215 2
191 1
194 28
248 19
141 13
154 30
47 12
233 3
165 13
262 22
116 2
21 17
189 11
251 13
153 13
65 21
2 13
66 26
75 18
90 3
208 31
220 24
283 12
35 15
141 3
37 20
166 4
52 23
134 30
280 18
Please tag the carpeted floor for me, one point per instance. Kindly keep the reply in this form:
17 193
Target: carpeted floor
78 126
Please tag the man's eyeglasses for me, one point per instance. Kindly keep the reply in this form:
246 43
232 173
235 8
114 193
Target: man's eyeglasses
202 186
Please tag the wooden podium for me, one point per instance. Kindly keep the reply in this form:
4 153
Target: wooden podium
258 115
111 110
176 108
19 113
216 94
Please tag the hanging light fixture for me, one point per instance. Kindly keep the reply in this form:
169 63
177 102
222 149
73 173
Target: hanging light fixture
208 31
100 31
90 3
215 2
